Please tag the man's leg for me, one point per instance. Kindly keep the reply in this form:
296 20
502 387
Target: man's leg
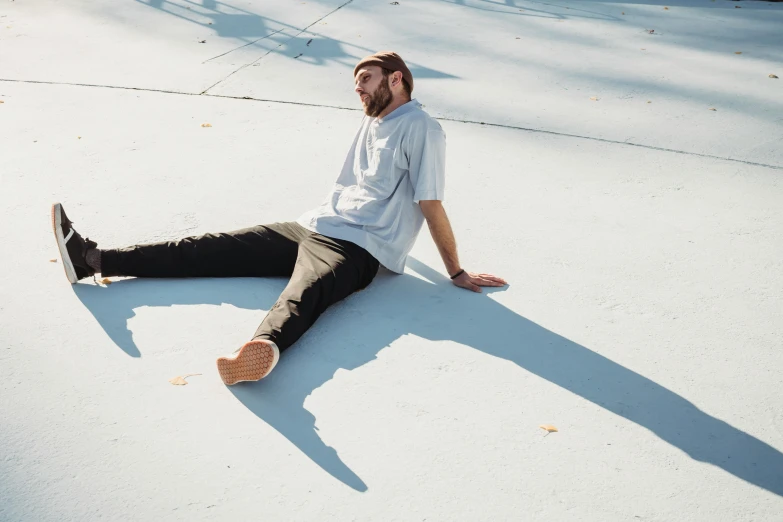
259 251
252 252
327 270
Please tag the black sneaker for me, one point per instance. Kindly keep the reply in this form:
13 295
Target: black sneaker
73 248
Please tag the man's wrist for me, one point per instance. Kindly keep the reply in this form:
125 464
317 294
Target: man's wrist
457 274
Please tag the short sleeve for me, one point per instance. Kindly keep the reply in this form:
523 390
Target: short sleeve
427 160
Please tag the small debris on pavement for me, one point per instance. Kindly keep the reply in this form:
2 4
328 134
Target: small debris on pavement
737 52
594 98
309 42
206 124
548 427
105 281
202 41
394 3
713 109
179 380
52 260
771 76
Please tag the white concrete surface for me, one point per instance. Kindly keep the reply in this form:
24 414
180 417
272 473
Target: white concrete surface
643 318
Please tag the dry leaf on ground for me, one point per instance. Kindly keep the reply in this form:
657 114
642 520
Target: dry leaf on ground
179 380
206 124
548 427
713 109
594 98
105 281
52 260
771 76
738 52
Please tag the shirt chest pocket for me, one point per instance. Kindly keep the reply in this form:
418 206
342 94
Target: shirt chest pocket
379 176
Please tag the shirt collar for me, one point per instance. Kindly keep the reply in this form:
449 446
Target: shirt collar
399 111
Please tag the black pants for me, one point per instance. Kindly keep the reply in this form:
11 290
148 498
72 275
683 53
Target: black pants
322 270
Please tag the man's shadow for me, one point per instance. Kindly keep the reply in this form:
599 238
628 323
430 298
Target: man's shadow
433 309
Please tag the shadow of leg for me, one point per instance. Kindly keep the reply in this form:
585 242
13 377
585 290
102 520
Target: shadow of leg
284 411
111 315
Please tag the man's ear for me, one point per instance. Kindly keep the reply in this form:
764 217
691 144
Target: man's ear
396 78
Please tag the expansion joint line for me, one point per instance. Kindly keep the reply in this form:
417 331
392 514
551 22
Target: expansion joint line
470 122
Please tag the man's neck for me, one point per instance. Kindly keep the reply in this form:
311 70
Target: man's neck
396 103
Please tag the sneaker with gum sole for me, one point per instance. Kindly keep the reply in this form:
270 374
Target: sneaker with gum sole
73 248
254 361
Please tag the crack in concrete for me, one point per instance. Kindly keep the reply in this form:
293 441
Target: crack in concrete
242 46
145 89
205 91
616 142
471 122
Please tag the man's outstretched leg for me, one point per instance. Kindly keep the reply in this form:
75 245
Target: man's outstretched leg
327 270
259 251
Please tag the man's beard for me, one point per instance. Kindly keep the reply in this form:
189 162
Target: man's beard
379 100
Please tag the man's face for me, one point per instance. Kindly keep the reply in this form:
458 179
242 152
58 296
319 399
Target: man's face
373 89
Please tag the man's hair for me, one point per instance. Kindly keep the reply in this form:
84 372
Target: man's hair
405 85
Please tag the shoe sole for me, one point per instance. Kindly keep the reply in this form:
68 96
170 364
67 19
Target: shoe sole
254 361
70 272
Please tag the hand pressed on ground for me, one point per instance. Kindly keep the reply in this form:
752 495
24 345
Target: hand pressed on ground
473 281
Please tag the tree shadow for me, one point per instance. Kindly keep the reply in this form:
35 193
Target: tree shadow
511 7
505 6
272 36
435 310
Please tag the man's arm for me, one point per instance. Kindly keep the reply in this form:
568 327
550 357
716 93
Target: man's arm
442 234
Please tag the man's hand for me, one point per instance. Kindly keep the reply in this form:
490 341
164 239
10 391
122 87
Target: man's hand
474 281
440 228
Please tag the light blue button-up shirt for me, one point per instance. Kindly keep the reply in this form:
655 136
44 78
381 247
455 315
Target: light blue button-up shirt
394 163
